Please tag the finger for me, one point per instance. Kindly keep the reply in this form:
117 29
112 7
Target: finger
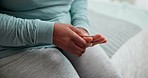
79 31
79 41
83 31
95 43
89 44
78 49
75 50
88 39
76 30
97 36
99 40
104 41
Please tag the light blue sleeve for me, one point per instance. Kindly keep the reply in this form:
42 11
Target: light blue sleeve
79 14
20 32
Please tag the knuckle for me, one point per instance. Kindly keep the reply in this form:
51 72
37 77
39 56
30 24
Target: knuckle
83 51
83 45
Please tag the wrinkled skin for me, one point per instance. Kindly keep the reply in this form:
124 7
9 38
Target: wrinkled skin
74 40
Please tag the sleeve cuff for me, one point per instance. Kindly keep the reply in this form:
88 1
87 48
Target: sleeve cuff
44 32
86 26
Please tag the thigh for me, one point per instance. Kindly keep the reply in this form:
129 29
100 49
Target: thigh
37 63
94 63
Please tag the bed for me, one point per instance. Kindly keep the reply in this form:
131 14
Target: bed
125 28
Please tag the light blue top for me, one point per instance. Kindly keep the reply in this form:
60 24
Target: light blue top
29 23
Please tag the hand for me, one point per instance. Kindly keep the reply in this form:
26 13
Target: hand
66 39
98 39
91 40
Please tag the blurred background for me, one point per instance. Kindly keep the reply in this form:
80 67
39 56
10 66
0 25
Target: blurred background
139 3
123 23
134 11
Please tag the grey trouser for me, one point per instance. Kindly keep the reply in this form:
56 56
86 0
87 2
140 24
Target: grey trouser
52 63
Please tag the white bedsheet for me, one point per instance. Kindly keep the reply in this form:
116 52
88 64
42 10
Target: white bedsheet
132 58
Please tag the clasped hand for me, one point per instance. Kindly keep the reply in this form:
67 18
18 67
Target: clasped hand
74 40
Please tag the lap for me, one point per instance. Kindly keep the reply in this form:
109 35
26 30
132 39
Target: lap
51 63
94 63
37 63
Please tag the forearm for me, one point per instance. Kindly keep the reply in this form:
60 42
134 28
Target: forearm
79 14
19 32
